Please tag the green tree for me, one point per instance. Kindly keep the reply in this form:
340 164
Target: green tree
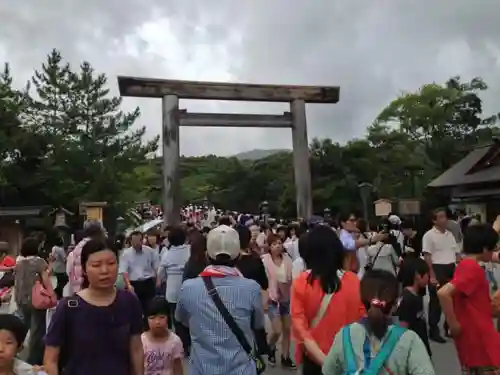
445 119
399 160
11 106
21 150
94 153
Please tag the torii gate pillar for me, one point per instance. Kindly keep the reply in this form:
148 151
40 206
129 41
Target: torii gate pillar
170 91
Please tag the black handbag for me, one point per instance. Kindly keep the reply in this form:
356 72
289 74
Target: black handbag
233 326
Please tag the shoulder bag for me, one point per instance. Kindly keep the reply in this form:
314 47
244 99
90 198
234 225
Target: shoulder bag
323 307
325 302
233 326
43 296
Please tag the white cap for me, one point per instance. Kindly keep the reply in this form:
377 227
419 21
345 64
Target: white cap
223 240
394 220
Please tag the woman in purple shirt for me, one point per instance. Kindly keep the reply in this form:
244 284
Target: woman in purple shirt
98 330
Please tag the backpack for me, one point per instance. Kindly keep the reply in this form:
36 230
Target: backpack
371 366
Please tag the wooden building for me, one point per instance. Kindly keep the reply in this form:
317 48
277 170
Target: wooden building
474 182
18 222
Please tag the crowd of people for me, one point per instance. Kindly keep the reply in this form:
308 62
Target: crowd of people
339 300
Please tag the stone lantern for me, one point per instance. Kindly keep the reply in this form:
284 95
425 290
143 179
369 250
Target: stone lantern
61 223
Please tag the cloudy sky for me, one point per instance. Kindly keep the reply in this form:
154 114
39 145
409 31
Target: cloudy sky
373 49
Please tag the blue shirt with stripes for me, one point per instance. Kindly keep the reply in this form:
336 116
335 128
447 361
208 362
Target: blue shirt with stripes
215 349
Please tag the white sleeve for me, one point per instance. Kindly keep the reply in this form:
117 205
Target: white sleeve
123 263
427 245
261 239
292 249
69 264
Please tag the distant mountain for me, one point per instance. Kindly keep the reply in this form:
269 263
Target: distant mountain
258 154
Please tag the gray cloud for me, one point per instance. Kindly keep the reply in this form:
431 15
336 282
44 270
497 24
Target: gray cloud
372 49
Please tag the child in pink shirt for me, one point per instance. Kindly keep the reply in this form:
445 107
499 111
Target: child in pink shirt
163 351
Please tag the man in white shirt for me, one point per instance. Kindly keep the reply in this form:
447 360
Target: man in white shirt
440 251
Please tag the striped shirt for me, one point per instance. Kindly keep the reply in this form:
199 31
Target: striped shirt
215 349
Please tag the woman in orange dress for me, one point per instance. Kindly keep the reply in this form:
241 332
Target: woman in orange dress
324 299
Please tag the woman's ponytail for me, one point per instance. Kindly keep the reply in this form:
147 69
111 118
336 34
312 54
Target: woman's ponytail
378 321
379 292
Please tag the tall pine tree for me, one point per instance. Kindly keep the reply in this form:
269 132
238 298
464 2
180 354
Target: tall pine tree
21 150
10 108
95 150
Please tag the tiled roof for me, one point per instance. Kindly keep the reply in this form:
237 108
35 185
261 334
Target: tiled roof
459 173
21 211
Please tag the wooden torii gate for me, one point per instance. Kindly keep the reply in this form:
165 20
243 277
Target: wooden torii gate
170 91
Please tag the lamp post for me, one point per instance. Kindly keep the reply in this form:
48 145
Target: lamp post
327 214
365 190
264 211
120 224
414 174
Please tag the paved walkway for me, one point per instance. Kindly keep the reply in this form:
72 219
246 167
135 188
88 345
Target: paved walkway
444 358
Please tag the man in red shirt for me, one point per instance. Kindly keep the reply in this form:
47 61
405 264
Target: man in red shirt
466 304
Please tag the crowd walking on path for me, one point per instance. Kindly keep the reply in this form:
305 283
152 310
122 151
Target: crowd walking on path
145 305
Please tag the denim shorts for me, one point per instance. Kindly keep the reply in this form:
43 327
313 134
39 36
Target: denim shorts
277 309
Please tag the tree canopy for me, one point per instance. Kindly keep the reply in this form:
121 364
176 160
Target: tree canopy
64 140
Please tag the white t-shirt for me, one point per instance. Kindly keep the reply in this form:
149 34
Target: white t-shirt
59 263
280 272
261 239
292 247
442 246
387 258
298 266
172 263
400 237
